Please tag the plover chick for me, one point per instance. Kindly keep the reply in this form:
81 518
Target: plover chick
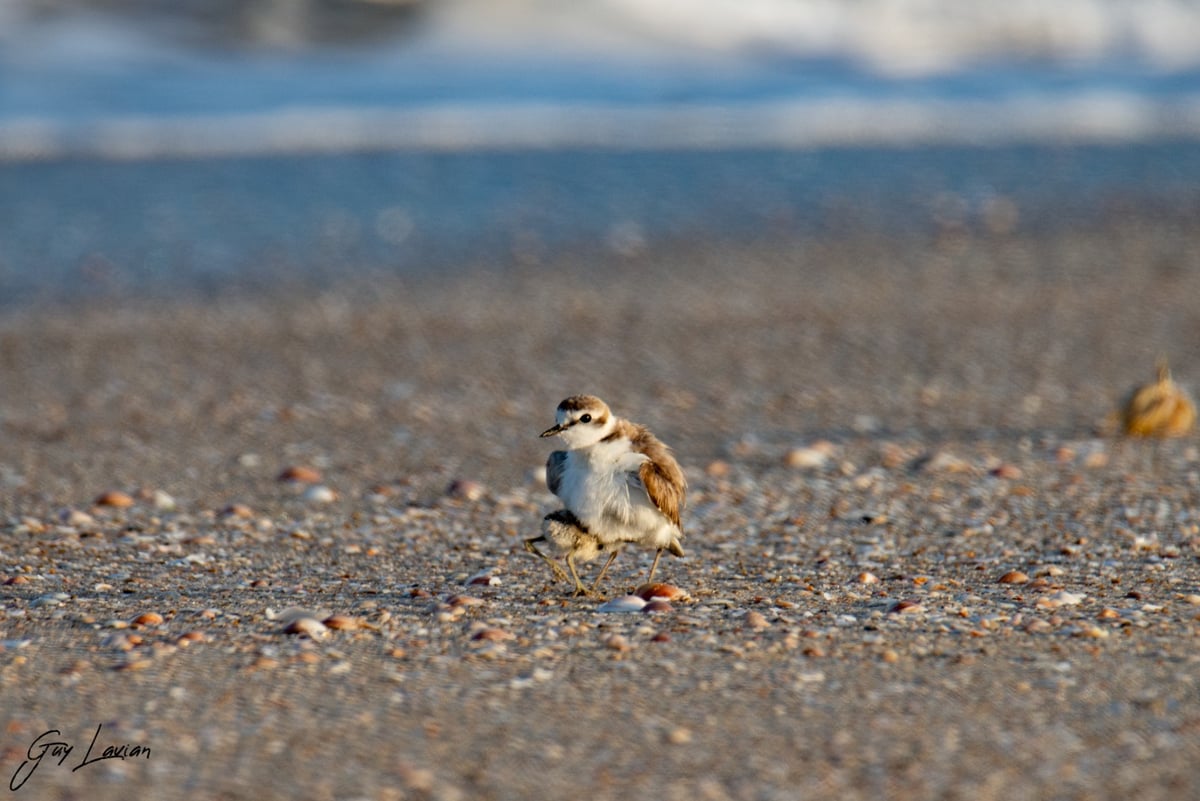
1159 409
565 531
618 480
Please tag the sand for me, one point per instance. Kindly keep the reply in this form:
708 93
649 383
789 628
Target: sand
875 431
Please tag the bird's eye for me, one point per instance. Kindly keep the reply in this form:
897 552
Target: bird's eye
587 418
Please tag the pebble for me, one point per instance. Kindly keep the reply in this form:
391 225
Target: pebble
465 490
121 641
299 474
115 499
626 603
77 518
133 664
1090 632
756 620
319 493
718 468
237 510
1006 471
163 501
810 457
617 643
679 736
1061 598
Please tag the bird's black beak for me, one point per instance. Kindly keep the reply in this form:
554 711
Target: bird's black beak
550 432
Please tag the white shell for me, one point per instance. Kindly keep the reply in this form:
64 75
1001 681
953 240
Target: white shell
626 603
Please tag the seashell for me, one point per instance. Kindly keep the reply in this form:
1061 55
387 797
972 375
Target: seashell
464 600
657 606
147 619
1013 577
310 627
1159 409
342 622
626 603
493 635
300 474
484 578
669 592
115 499
905 607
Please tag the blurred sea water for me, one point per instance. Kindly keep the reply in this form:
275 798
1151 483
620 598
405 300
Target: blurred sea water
201 144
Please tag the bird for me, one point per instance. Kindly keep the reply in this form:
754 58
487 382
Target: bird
619 483
1160 408
566 532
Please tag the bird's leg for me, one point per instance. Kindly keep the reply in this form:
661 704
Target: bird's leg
654 566
604 569
579 588
559 573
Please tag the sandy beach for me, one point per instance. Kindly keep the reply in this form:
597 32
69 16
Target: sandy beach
917 565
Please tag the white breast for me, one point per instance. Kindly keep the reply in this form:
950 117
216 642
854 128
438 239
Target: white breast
596 486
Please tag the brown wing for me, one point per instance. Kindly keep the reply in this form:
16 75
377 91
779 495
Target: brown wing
661 476
556 465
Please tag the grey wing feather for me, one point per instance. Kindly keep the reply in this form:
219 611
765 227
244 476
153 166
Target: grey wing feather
556 465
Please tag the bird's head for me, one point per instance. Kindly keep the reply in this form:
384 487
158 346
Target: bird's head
581 420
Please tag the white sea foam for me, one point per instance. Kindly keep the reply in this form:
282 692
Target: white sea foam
686 74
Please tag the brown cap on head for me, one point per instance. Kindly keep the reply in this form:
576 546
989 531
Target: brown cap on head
577 403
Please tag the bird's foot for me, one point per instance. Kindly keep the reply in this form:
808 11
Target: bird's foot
559 573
